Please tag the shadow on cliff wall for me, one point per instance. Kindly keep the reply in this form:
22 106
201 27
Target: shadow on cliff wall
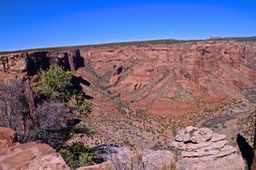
37 61
63 62
246 149
60 136
78 60
77 81
42 60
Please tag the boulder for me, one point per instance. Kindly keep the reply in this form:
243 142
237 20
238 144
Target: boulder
201 135
190 129
116 154
7 137
194 134
180 135
14 155
47 162
202 149
156 159
122 158
217 137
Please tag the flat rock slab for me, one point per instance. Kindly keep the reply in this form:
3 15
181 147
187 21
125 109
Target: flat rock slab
191 147
230 162
199 153
217 137
49 162
219 144
19 159
28 156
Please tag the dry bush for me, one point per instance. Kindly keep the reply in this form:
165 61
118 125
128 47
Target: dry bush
51 126
14 110
47 124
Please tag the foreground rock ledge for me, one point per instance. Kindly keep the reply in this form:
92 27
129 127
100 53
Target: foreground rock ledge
202 149
123 158
29 156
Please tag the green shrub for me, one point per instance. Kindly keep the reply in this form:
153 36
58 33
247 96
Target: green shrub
78 104
77 155
55 83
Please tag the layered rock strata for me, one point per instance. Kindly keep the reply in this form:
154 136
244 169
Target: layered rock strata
159 79
203 149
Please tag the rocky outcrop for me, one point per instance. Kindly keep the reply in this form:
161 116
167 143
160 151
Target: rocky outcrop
123 158
14 155
194 135
203 149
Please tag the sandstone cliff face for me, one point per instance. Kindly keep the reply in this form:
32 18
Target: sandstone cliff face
161 78
155 78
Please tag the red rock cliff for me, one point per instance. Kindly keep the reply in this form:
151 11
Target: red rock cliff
159 79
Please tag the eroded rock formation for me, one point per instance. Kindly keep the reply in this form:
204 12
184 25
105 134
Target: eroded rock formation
159 79
202 149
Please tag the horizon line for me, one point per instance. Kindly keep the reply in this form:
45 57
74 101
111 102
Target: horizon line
123 43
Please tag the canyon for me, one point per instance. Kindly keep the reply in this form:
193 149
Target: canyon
144 93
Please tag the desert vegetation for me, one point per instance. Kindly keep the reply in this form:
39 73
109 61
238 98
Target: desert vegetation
32 121
45 114
78 155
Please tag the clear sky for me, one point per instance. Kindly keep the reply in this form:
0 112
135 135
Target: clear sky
26 24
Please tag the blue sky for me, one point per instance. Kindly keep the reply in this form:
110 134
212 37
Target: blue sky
29 24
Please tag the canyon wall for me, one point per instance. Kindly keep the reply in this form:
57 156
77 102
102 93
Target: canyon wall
157 79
